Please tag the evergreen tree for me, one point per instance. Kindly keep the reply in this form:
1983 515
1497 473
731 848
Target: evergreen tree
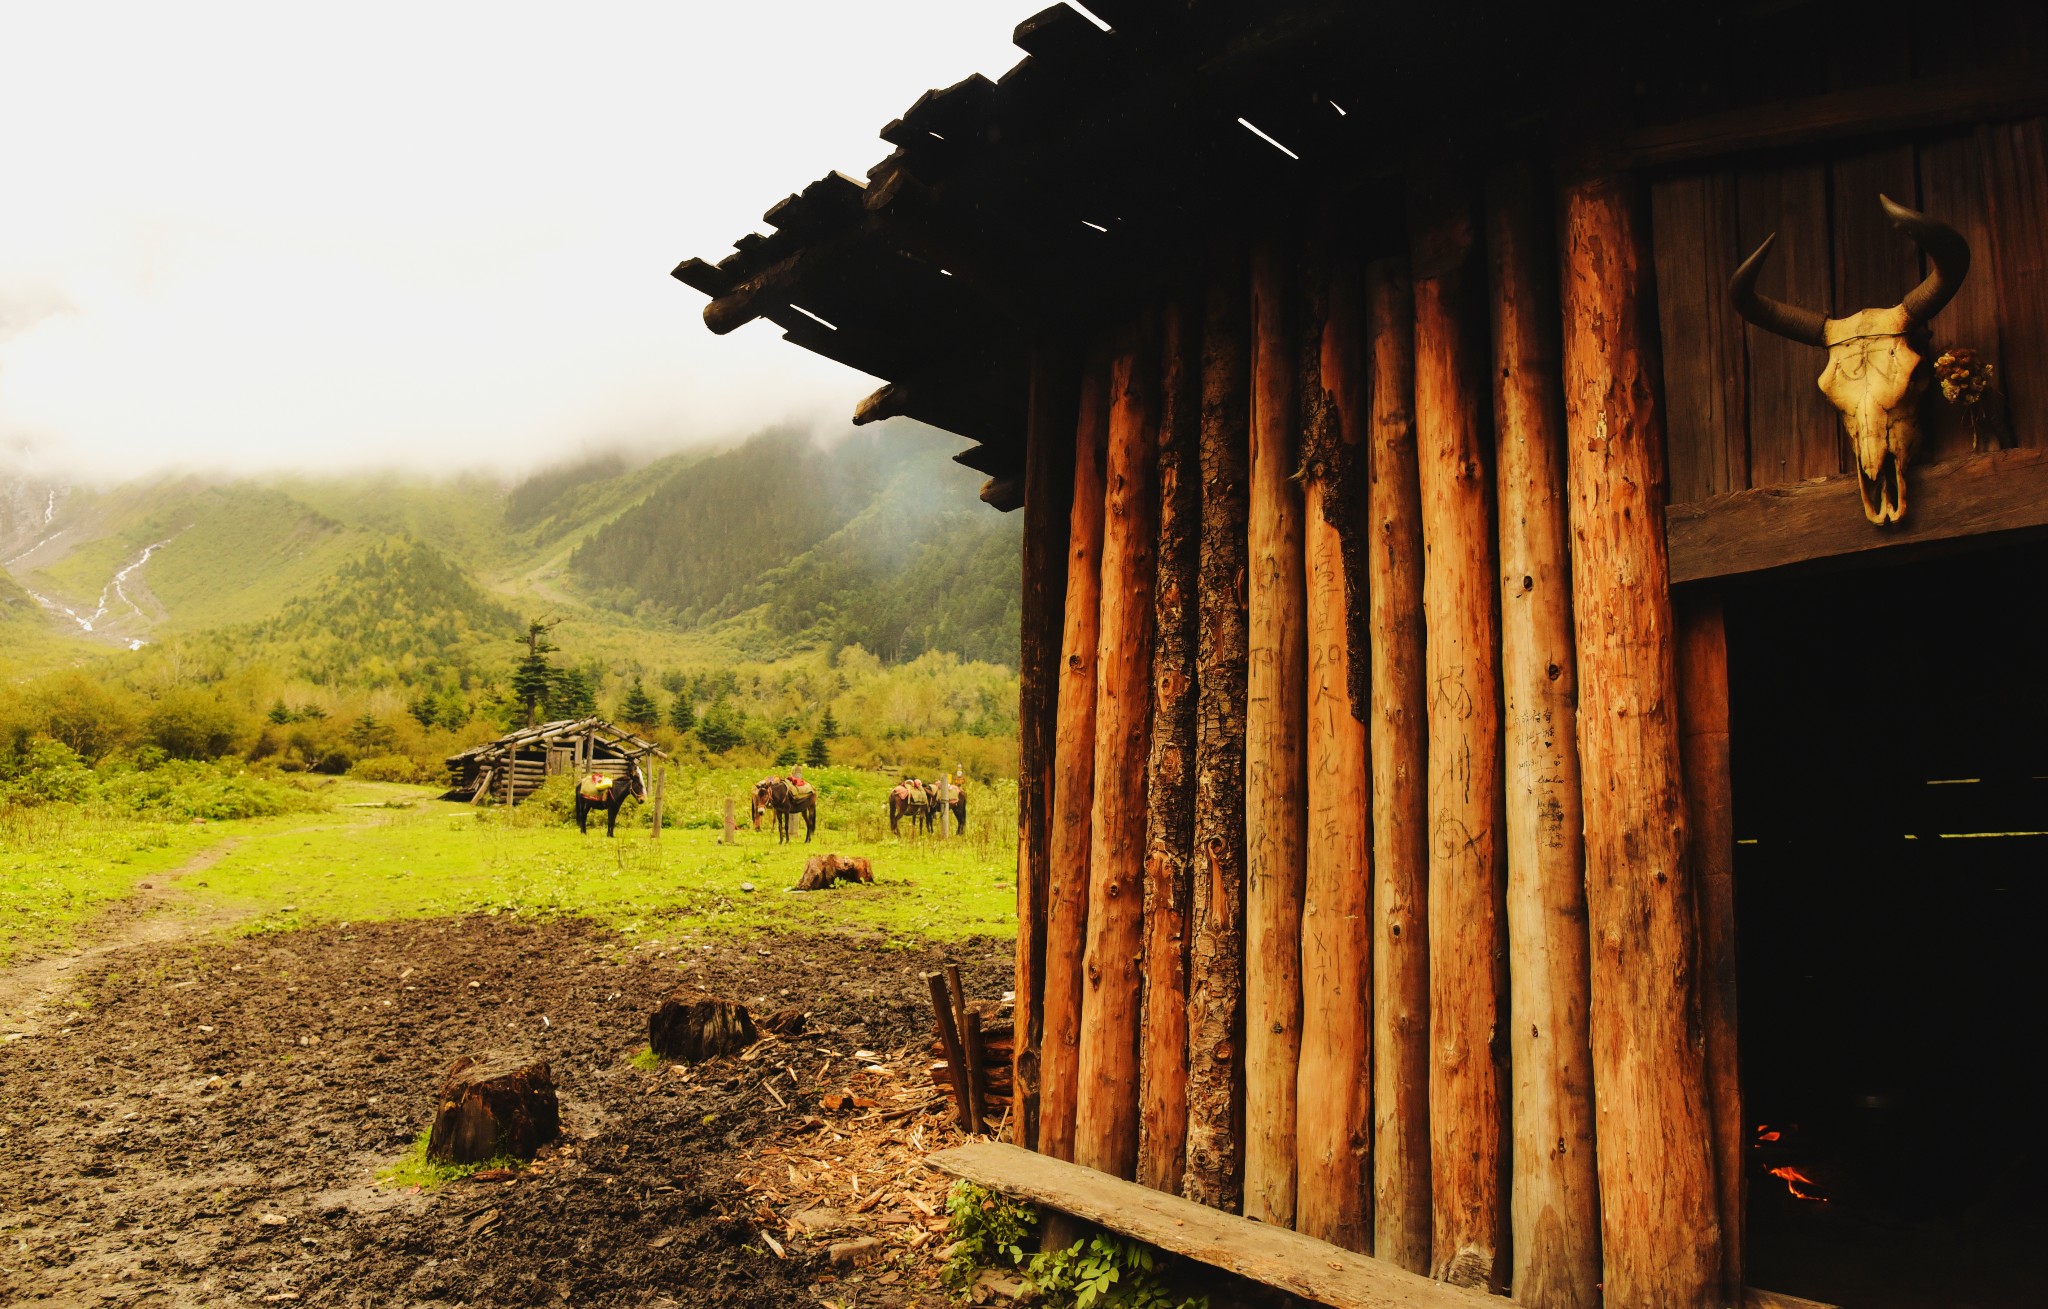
638 708
828 728
535 677
366 733
787 757
817 754
571 695
279 714
719 729
423 709
682 715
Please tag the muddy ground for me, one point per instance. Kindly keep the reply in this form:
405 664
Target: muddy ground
200 1122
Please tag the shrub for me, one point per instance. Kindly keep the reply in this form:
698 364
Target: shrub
388 768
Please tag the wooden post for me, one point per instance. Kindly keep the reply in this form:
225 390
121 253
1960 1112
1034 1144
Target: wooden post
1170 767
660 790
945 810
1660 1231
511 780
1216 935
1048 491
1333 1126
1465 865
1073 777
1274 777
1106 1132
727 838
1554 1201
1710 818
956 1053
977 1080
1400 808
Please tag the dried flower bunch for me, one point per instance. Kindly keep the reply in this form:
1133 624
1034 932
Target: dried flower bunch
1964 377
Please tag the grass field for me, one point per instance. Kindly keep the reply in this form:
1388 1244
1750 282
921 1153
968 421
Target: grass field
389 851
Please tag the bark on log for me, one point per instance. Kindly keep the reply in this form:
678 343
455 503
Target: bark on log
1660 1232
1710 818
1106 1128
1170 768
1274 777
1400 802
1073 777
1554 1200
1216 943
1048 493
1333 1123
950 1037
491 1108
1465 865
690 1026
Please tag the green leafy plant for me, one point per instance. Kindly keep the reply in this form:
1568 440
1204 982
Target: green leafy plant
1109 1272
987 1229
414 1168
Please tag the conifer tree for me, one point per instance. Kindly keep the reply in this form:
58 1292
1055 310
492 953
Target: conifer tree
817 754
682 715
828 728
535 677
638 708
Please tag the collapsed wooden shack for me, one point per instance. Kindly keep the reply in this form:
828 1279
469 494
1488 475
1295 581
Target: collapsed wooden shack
1403 494
516 764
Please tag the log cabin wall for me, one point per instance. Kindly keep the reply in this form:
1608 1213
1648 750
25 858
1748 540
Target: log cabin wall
1374 852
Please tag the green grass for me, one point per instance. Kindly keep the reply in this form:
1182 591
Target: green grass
415 1169
646 1060
366 860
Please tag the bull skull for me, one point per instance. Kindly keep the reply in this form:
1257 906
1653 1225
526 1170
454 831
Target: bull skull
1874 374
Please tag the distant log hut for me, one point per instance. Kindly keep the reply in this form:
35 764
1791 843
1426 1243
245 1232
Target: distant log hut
1546 636
531 755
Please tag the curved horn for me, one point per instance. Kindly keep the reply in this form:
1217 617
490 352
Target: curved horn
1944 247
1789 321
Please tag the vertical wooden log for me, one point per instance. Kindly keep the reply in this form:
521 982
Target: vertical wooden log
1660 1232
1073 794
956 1053
1048 493
1170 770
1106 1128
1400 801
1216 932
1333 1125
726 837
1466 946
977 1077
1710 820
660 794
1275 791
1554 1201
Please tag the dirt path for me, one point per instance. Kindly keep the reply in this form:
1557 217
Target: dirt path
200 1122
156 914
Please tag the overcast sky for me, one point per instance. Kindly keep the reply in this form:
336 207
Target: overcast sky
258 236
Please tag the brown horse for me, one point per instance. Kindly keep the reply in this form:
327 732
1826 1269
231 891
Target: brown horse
913 800
775 795
609 798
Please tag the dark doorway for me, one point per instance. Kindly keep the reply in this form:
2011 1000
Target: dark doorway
1890 739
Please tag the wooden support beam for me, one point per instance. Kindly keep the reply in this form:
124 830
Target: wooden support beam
1073 795
1710 822
1466 937
1170 766
1400 811
1048 494
1274 767
1106 1126
1554 1203
1216 1033
1801 522
1333 1120
1286 1261
1660 1230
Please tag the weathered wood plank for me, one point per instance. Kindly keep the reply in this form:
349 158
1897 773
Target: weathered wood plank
1275 780
2016 180
1300 1265
1400 799
1793 432
1660 1230
1704 378
1466 855
1952 189
1866 111
1170 768
1048 495
1554 1199
1106 1125
1215 1156
1773 526
1073 796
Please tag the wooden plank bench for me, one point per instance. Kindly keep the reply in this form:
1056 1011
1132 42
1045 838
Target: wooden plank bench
1271 1256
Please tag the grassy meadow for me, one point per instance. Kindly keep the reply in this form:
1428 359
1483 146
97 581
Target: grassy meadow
385 850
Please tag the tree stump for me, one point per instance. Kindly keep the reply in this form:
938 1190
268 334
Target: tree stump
491 1107
690 1026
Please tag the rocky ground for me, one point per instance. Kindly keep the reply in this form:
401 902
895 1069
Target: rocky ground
201 1121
